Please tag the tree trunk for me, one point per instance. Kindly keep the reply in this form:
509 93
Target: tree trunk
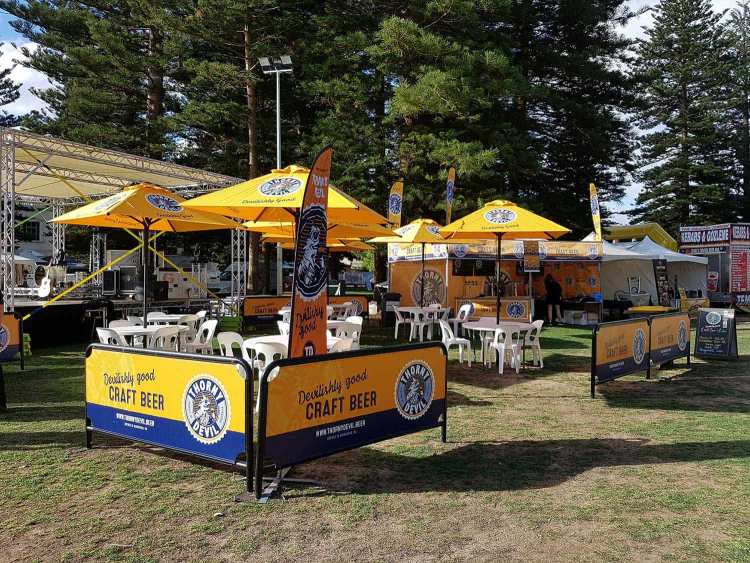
745 159
254 277
155 95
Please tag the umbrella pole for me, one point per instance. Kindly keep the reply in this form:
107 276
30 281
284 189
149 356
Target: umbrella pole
499 271
145 272
421 285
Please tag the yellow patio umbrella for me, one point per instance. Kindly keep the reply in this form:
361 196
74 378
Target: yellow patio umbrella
145 207
335 230
333 244
501 219
277 196
419 231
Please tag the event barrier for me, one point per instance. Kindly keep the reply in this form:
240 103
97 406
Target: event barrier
266 307
315 407
194 404
620 348
11 347
511 308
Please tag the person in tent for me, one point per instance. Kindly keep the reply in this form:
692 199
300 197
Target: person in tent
554 298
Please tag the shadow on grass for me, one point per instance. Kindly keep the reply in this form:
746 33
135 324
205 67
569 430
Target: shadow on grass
34 440
503 466
42 413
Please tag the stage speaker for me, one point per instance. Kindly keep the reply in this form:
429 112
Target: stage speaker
110 282
128 279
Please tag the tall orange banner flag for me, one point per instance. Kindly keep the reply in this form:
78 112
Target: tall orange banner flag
450 190
309 321
395 203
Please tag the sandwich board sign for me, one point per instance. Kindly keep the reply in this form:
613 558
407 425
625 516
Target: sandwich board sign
716 336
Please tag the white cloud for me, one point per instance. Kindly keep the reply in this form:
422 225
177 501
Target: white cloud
28 78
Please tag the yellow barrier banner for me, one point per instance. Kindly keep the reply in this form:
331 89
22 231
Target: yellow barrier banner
194 404
267 306
307 329
620 348
315 407
670 337
511 308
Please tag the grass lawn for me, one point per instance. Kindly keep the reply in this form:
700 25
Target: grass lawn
533 470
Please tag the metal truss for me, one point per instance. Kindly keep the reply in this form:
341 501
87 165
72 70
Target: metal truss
239 265
58 233
7 217
97 250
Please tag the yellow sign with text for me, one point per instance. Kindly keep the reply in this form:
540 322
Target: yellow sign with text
670 337
622 347
338 402
177 401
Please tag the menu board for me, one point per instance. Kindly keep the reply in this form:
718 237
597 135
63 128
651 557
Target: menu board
531 259
738 279
662 282
716 336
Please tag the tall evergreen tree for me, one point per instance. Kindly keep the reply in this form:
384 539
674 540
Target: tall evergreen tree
737 118
683 160
9 93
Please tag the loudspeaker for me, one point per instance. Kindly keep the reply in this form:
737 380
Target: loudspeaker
128 279
110 282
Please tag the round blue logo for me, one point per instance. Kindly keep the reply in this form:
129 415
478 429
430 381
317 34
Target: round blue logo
311 275
279 187
434 287
4 338
205 406
713 318
515 309
394 204
500 216
639 346
460 250
434 229
682 336
414 390
165 203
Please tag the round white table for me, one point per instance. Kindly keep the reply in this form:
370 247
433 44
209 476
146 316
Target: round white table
130 332
164 318
490 325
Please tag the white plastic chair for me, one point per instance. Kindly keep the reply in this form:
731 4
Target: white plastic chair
420 321
507 347
350 331
533 341
165 338
202 315
135 321
359 321
151 315
191 322
286 315
203 343
463 315
119 323
449 339
401 320
260 355
283 328
226 342
343 345
108 336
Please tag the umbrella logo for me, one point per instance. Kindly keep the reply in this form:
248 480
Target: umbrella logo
434 287
311 274
593 252
4 338
163 202
639 346
682 336
500 216
415 387
434 229
394 204
278 187
205 405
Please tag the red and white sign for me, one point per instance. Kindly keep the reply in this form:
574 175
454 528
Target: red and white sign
738 278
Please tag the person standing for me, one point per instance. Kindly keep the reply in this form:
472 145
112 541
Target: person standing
554 298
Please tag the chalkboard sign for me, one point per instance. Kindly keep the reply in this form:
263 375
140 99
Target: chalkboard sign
716 336
662 282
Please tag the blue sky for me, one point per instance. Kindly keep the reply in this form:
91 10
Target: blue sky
29 79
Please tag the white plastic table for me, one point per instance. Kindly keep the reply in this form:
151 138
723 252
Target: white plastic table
490 325
283 339
432 313
164 318
130 332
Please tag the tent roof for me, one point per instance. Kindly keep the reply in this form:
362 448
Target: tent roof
648 246
612 252
51 168
639 231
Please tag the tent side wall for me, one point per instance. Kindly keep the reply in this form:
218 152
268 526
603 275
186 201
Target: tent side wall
615 273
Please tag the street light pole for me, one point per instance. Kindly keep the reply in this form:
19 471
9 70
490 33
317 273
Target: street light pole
277 66
278 119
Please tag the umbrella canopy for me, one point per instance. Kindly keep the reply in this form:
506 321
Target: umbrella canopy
419 231
278 196
501 219
335 230
145 205
506 219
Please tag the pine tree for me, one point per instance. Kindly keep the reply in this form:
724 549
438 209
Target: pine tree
682 164
737 119
9 93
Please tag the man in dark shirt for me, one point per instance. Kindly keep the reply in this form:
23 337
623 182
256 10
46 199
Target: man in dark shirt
554 298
